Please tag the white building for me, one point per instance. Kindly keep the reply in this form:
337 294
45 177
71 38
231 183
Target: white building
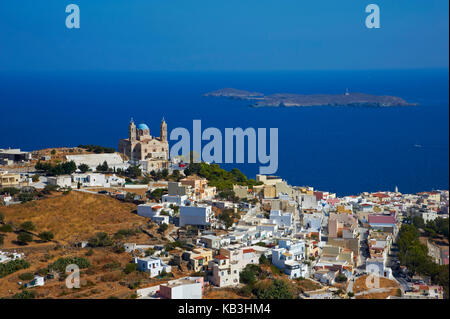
429 216
222 272
7 256
156 212
183 288
200 215
282 219
90 180
178 200
148 210
115 180
377 266
241 256
37 281
153 266
307 201
61 180
288 256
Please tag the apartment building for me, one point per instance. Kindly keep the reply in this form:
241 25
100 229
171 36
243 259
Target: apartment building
222 272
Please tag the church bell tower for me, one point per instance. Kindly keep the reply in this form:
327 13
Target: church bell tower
163 131
132 131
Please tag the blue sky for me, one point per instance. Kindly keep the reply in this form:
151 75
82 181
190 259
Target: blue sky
212 35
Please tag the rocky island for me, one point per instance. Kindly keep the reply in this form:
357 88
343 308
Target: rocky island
289 100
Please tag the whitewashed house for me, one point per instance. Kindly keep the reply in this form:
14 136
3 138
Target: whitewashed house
178 200
200 215
151 265
222 273
37 281
282 219
289 256
61 180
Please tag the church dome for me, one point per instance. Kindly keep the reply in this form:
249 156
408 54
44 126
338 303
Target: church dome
143 127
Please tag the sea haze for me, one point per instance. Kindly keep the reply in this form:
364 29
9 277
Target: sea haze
346 150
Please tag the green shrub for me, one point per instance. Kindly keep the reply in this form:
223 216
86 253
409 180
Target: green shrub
46 236
61 264
26 276
7 228
24 237
100 240
26 294
13 266
130 267
162 228
28 226
278 289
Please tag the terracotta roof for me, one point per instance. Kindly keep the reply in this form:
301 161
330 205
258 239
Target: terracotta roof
380 195
250 250
221 257
381 219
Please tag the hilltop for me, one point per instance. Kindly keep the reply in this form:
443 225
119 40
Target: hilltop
75 216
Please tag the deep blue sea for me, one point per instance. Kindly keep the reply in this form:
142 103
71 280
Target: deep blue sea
346 150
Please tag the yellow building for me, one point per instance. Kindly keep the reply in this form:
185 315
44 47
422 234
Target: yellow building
199 259
9 179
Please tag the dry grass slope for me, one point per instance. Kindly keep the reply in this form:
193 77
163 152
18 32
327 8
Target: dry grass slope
76 216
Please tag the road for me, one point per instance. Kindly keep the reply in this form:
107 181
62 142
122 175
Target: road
392 262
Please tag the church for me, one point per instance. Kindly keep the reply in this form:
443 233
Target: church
152 153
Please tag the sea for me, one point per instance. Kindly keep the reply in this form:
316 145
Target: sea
346 150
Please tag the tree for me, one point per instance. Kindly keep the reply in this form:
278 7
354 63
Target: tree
61 264
129 268
12 266
27 226
26 294
26 276
340 278
226 218
277 289
263 260
9 190
46 236
100 240
176 175
156 194
2 239
26 197
6 228
247 276
103 168
35 178
2 218
162 228
53 152
83 168
133 171
24 237
129 197
49 188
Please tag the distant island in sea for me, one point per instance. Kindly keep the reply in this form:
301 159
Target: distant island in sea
294 100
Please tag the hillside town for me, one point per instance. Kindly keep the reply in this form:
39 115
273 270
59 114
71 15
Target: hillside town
194 230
